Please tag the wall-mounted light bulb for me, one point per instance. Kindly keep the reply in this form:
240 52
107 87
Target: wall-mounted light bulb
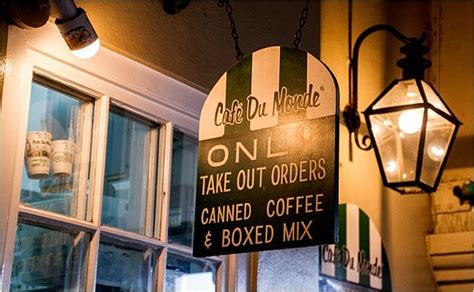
410 121
78 33
391 166
376 130
87 52
411 92
436 150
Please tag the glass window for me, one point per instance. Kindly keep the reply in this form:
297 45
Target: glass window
183 189
186 274
52 252
125 269
47 259
129 184
54 161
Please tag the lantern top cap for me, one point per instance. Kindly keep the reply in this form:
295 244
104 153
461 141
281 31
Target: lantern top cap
414 64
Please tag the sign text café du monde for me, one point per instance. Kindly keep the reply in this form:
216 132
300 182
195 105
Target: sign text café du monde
249 178
267 156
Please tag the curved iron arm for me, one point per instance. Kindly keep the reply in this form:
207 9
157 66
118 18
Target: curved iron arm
351 113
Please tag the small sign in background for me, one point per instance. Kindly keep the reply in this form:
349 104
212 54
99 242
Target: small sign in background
359 257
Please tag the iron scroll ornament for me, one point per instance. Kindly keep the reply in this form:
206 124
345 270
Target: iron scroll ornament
413 65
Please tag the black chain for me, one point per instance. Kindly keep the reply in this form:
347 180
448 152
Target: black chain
301 22
235 36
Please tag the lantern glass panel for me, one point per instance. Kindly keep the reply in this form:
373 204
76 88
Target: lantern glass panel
403 93
439 132
433 98
397 135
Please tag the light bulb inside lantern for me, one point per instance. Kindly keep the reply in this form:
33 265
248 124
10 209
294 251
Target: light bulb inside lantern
411 92
87 52
391 166
410 121
376 129
436 151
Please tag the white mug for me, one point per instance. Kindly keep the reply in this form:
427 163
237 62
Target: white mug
37 154
62 157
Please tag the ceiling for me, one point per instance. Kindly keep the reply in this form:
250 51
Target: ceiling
195 45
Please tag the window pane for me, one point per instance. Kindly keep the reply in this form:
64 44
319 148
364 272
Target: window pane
125 269
127 172
184 274
183 189
48 260
53 152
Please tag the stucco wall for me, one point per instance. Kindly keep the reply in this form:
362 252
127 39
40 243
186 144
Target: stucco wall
455 63
3 197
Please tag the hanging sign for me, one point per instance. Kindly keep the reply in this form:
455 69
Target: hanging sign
359 256
268 156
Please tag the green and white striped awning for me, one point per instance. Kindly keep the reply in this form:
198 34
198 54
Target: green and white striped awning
262 74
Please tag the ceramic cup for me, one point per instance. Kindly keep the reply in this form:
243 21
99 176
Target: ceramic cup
62 157
37 154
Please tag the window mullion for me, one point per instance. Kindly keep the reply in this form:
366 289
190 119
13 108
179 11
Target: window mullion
161 269
77 280
85 137
97 170
231 274
151 185
164 181
97 167
133 239
163 198
55 220
92 262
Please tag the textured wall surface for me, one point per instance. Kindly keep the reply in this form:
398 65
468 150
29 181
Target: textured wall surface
4 199
455 81
195 45
289 270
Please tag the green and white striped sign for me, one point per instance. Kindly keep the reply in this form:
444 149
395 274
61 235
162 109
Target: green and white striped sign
359 257
268 156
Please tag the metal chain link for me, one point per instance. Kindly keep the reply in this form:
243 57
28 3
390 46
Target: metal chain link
235 36
301 23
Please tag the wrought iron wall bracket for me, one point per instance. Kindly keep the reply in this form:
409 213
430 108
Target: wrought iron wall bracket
413 66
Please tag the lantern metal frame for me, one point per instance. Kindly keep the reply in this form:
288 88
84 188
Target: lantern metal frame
413 66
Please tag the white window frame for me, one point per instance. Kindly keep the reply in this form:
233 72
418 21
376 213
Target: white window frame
106 77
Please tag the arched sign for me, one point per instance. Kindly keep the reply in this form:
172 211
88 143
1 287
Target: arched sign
359 257
268 156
